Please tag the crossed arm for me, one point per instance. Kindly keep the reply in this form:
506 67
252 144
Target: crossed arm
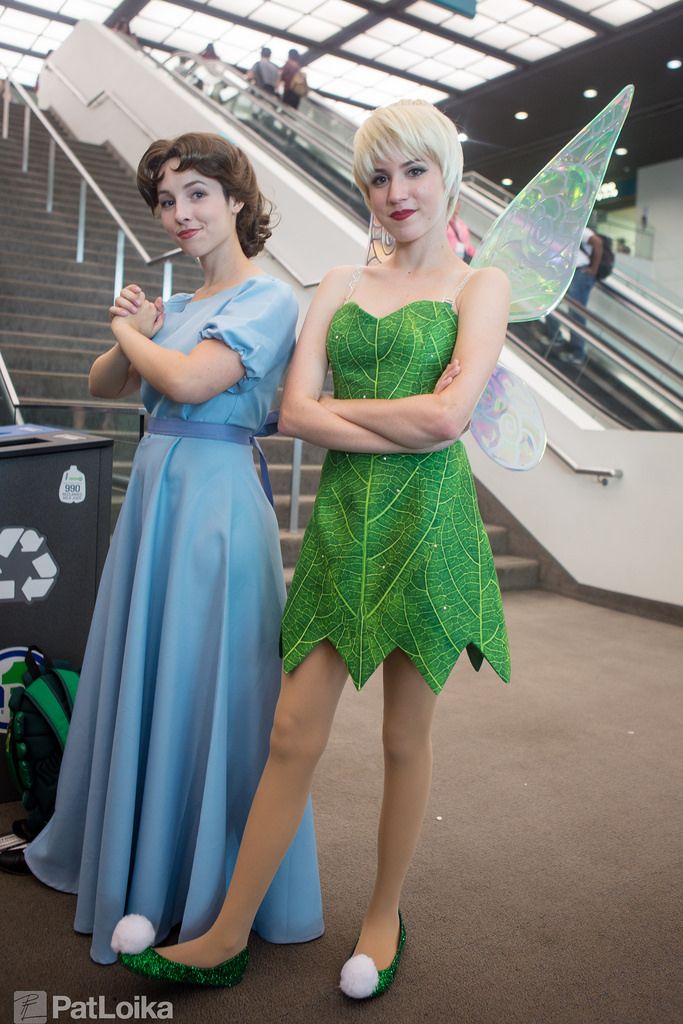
211 366
416 424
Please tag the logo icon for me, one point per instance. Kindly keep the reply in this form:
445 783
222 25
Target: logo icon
72 487
30 1008
27 569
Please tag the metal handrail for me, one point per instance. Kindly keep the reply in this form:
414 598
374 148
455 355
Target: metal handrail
87 181
663 390
603 475
103 94
669 320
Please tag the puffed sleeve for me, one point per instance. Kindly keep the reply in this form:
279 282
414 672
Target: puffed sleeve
259 323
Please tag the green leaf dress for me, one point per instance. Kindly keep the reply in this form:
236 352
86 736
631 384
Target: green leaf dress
395 554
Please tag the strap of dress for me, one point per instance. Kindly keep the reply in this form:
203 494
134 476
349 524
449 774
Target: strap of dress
355 278
459 288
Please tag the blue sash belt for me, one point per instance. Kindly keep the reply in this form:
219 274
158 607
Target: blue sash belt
220 432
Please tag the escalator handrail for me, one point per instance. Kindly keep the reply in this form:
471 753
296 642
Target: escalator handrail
565 381
642 375
646 303
616 332
334 146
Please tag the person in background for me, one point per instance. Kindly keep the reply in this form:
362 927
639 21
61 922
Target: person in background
264 73
289 72
458 235
122 27
587 263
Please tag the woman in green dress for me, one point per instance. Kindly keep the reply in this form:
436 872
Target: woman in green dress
395 569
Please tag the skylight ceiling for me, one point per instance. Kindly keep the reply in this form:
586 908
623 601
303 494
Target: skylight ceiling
41 34
417 49
619 12
513 26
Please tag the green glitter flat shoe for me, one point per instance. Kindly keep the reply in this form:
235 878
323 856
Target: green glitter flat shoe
360 978
150 965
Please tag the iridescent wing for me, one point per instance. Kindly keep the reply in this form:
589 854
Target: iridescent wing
536 241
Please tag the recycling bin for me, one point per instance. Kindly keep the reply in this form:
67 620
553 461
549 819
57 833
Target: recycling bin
55 500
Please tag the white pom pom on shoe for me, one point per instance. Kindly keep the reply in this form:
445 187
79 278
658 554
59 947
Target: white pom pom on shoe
359 977
132 934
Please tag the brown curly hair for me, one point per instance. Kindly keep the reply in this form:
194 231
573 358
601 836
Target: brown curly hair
219 159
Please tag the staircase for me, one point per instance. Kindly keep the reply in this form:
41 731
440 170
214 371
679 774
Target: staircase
53 314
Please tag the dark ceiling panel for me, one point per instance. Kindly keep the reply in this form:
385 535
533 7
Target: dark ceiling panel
552 94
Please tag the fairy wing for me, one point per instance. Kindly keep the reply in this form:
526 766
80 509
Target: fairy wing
536 241
537 237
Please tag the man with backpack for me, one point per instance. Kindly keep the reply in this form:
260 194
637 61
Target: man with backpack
264 73
594 262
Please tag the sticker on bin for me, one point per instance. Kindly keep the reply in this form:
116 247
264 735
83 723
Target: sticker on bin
28 571
12 668
72 487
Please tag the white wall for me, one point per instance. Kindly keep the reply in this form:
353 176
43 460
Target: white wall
625 536
659 194
312 235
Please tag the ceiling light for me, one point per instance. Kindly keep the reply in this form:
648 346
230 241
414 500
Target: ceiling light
463 136
521 115
674 65
590 94
621 151
506 181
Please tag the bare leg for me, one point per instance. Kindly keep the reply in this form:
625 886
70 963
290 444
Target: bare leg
409 706
303 719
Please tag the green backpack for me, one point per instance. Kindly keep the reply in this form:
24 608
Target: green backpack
40 713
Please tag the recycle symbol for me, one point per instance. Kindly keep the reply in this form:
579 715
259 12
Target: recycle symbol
28 571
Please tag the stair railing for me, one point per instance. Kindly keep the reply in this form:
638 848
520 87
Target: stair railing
87 182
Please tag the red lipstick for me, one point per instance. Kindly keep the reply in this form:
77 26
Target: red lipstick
402 214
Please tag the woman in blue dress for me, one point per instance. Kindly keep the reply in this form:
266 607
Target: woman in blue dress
182 672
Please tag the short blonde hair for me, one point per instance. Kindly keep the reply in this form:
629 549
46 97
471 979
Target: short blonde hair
415 129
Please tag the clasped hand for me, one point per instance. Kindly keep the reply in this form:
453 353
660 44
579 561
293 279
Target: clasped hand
147 317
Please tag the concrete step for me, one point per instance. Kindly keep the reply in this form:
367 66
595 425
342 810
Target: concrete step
30 384
96 247
186 276
31 341
48 359
60 325
66 200
515 572
281 476
61 309
63 221
61 229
